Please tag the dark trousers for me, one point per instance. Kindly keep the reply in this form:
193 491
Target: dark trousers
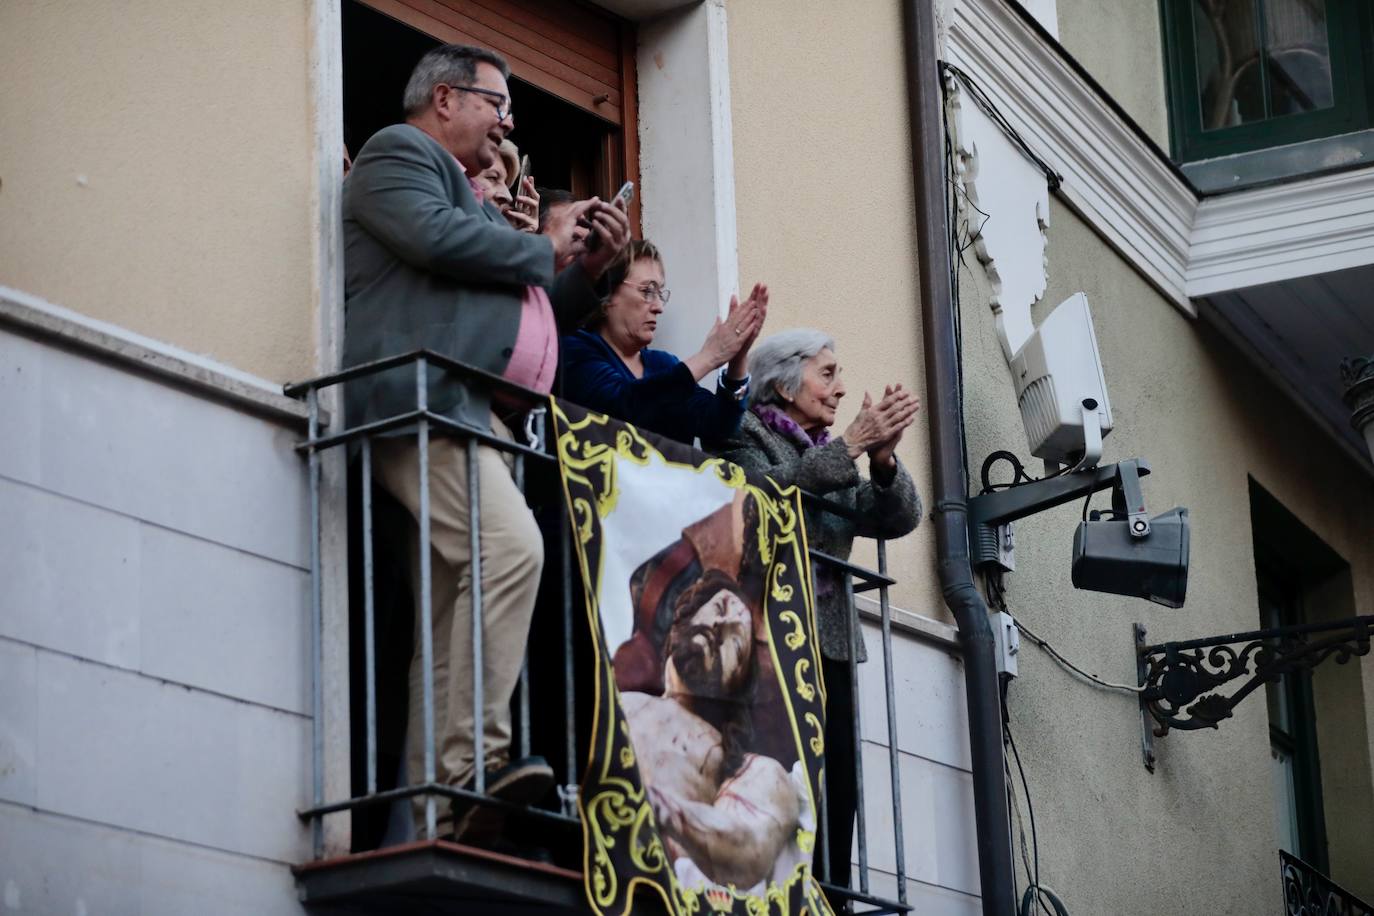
840 792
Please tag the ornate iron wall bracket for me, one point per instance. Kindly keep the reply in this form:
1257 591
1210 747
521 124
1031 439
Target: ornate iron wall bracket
1176 677
1307 890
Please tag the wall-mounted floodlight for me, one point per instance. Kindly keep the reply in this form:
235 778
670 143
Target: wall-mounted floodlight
1062 393
1125 552
1061 389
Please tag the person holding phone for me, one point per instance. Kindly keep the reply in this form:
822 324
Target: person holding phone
505 177
429 263
609 365
561 215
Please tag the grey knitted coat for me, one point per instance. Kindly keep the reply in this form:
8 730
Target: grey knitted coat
889 511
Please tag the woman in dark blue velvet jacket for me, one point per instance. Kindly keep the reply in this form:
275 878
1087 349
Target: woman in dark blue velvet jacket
609 367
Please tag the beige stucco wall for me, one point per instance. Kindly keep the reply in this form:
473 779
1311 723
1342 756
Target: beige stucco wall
1119 43
824 215
824 203
156 170
1114 838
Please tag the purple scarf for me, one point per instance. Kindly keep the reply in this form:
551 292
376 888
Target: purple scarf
827 580
780 423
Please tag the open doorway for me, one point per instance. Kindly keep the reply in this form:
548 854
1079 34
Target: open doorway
569 147
573 147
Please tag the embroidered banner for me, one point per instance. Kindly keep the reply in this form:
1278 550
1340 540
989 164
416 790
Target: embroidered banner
707 739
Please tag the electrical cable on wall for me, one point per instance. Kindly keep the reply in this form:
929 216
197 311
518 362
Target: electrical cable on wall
1019 476
1013 802
1037 895
962 235
1054 654
1032 874
989 108
957 249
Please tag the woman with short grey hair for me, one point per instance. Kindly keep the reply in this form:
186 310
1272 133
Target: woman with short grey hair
781 358
785 433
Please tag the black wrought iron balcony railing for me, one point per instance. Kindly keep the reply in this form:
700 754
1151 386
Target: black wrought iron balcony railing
388 870
1308 892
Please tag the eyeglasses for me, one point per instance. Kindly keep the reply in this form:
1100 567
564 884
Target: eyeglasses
502 105
652 291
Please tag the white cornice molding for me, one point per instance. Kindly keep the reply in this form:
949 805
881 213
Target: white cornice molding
909 623
1278 233
1112 177
35 317
1126 190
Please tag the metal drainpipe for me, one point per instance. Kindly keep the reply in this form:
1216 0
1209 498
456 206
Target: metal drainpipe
947 461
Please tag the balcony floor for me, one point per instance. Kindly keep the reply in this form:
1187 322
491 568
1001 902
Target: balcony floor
437 877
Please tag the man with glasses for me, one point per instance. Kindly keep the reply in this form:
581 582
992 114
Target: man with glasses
428 264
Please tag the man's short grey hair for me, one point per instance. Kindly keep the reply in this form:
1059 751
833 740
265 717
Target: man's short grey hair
452 65
776 364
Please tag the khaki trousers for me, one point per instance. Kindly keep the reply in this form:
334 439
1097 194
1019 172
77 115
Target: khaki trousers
512 554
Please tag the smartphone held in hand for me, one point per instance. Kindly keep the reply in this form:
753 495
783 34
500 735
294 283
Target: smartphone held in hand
621 201
521 175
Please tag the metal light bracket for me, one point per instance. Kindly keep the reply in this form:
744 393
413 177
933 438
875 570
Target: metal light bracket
1127 500
1004 506
1092 436
1147 732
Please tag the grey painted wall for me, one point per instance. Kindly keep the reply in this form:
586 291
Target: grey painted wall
1113 837
154 666
936 789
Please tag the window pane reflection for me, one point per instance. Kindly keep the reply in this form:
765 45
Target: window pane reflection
1227 36
1260 59
1285 800
1299 60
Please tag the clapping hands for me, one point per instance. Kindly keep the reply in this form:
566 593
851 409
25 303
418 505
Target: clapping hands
879 427
730 338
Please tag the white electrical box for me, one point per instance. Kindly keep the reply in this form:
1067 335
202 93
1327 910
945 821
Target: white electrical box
1008 642
1061 389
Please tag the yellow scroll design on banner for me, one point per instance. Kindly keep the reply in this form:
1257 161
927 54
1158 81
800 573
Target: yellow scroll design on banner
618 819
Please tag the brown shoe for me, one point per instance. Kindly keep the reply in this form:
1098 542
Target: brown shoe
520 782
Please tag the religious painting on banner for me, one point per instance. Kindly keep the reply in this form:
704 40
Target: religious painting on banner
707 740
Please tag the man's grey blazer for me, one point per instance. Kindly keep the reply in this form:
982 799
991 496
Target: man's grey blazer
427 266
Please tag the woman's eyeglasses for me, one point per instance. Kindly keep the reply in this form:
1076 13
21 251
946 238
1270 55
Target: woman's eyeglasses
652 291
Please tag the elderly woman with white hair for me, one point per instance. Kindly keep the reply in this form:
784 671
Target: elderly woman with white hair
785 433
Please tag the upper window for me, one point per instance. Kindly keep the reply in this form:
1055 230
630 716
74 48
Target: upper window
1250 74
1299 816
